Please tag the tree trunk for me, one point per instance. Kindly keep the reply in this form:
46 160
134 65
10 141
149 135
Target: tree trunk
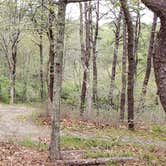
51 55
85 58
55 134
83 89
41 66
159 59
114 62
94 58
131 64
13 73
124 59
137 35
148 67
88 23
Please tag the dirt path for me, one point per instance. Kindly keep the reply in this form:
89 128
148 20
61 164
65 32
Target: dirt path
16 124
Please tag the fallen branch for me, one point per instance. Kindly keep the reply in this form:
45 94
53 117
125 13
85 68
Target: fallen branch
96 161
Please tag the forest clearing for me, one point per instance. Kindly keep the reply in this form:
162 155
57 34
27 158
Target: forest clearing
26 140
82 82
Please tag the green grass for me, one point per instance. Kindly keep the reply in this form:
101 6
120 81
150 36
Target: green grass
33 144
70 142
107 154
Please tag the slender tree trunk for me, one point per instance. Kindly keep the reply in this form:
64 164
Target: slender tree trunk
13 73
148 66
55 134
85 58
83 87
41 66
114 62
159 58
88 23
51 54
124 60
137 35
94 58
131 64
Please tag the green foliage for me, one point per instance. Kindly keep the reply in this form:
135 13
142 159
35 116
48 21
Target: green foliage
69 92
4 90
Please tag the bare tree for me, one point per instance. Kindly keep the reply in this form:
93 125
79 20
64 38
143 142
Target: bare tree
54 148
85 57
94 55
149 64
124 61
131 64
114 61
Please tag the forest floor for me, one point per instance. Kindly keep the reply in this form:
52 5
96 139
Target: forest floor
24 140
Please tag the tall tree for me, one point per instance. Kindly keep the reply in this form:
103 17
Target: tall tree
124 60
51 37
55 134
85 57
94 55
114 61
131 64
159 7
149 64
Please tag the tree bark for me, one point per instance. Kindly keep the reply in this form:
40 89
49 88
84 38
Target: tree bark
149 64
98 161
83 87
94 57
114 62
159 58
137 35
51 54
54 148
131 64
41 65
85 58
124 60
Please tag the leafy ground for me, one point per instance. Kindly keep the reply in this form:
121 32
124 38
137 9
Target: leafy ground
24 140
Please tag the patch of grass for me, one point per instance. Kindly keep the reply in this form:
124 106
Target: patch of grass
33 144
159 131
107 154
35 118
69 142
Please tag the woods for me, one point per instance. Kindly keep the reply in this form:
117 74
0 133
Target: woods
100 63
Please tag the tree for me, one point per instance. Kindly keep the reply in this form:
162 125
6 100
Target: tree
94 54
159 58
131 64
55 134
85 57
115 56
149 64
124 60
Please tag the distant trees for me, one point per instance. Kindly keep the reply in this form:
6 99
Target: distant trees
10 37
